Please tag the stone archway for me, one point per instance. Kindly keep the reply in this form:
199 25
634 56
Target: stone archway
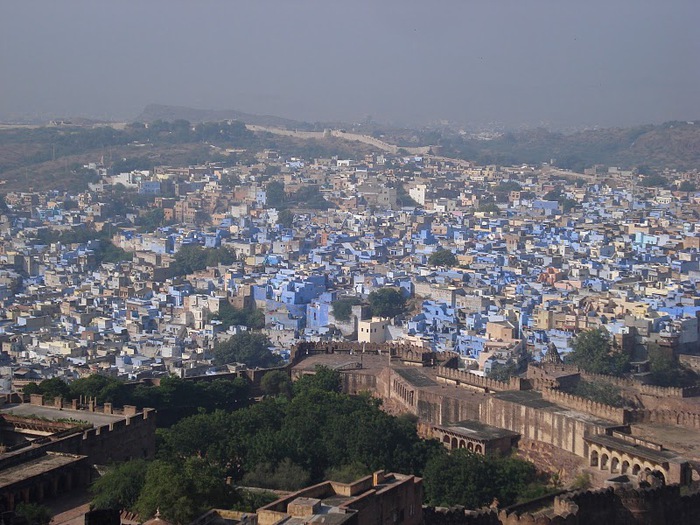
625 467
660 475
462 443
470 446
615 464
604 460
454 444
446 439
594 458
478 449
636 469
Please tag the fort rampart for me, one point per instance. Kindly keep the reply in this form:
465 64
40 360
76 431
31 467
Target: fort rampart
463 378
659 506
601 410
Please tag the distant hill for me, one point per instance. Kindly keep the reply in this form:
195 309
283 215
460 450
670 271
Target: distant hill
674 145
166 113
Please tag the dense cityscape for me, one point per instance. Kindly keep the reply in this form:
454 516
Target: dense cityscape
526 329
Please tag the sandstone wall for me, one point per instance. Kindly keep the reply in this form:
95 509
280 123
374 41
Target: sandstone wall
555 428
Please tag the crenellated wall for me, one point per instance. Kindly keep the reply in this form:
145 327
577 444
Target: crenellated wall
688 420
460 377
403 352
601 410
659 506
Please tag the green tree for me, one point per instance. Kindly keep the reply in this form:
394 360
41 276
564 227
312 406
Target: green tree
31 388
183 490
347 473
54 387
276 383
442 257
387 302
34 513
600 393
489 207
666 370
246 347
342 308
231 316
654 181
192 258
120 486
323 379
275 194
286 475
285 218
687 186
311 197
592 352
151 220
105 389
474 480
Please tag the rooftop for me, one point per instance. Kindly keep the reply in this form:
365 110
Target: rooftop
36 467
45 412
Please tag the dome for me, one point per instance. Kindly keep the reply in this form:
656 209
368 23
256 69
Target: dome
157 520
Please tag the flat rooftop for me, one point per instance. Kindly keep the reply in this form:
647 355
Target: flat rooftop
612 442
534 399
477 430
98 419
36 467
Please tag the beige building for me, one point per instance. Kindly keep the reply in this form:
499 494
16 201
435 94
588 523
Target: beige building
372 330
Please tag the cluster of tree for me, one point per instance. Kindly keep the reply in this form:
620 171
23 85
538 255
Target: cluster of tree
387 302
474 480
666 370
151 220
688 186
181 132
342 308
442 257
557 195
231 316
654 181
192 258
305 197
641 145
174 398
403 198
305 433
489 207
251 348
592 351
600 392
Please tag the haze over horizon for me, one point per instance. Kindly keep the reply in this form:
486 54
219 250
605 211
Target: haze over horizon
558 64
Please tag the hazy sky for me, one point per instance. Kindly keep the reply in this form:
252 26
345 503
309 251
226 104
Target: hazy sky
558 62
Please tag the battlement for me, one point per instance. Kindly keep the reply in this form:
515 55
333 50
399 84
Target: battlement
486 384
403 352
641 506
601 410
690 420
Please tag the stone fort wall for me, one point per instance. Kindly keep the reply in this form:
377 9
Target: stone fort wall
660 506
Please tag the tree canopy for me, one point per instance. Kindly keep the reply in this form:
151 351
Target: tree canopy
442 257
387 302
592 352
247 347
231 316
342 308
474 480
192 258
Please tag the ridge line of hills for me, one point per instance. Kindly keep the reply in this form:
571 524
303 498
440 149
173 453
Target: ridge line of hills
52 156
